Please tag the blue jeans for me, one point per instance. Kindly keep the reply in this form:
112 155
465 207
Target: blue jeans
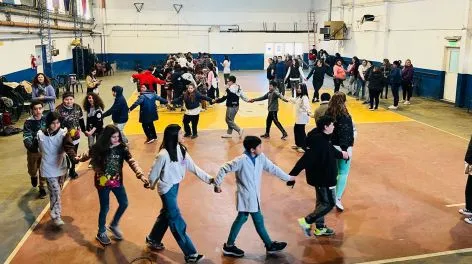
170 217
258 220
104 197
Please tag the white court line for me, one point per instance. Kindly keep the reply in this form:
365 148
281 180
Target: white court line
455 205
444 253
33 226
447 132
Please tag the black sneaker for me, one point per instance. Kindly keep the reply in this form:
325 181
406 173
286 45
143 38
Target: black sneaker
103 239
42 194
34 181
194 258
194 136
276 247
284 136
154 245
232 251
265 136
74 175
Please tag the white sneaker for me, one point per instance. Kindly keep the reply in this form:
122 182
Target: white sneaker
464 211
58 222
90 165
402 101
339 205
241 133
300 150
406 102
294 147
227 136
468 220
392 107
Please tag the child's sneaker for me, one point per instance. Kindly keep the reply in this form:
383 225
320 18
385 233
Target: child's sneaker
300 150
42 193
195 258
339 205
34 181
468 220
306 228
154 245
103 238
284 136
464 211
116 231
324 231
265 136
276 247
58 222
294 147
232 251
392 107
227 136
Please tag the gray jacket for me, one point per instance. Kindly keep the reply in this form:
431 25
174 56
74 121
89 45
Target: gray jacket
273 100
166 173
248 179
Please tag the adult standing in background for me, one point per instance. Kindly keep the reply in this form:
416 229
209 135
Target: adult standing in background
226 68
407 81
295 75
395 79
271 70
385 69
318 73
339 75
43 91
353 71
92 82
280 74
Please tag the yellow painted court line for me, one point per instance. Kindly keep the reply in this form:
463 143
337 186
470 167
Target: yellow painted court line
455 205
36 222
430 255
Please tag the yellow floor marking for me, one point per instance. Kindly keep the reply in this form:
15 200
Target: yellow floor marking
254 115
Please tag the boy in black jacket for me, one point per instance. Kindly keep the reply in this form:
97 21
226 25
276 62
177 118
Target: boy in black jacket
319 163
31 127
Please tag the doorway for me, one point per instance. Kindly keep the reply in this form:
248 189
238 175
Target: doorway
451 65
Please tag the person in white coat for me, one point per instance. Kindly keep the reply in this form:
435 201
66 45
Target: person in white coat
167 172
248 168
302 114
54 143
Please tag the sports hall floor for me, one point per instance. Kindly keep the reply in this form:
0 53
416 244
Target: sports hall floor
405 187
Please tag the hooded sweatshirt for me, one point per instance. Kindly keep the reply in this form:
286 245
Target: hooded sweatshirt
119 109
148 109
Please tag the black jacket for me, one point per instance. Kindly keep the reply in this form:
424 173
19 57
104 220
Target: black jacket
376 81
468 155
319 160
343 134
318 74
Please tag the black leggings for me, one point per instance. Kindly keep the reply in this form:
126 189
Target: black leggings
317 87
300 135
194 119
407 89
149 130
272 116
337 84
395 93
374 96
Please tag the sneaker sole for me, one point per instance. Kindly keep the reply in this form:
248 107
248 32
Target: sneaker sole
231 254
154 248
275 251
466 214
325 234
196 261
103 244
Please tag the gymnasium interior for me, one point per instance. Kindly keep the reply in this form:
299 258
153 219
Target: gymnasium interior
406 181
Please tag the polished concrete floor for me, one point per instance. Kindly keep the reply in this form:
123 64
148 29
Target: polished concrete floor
404 173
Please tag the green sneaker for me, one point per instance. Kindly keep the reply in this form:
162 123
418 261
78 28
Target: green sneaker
306 228
325 231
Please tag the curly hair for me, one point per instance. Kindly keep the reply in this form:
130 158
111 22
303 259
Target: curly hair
97 101
36 82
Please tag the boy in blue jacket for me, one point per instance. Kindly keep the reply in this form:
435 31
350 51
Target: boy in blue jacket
148 112
119 111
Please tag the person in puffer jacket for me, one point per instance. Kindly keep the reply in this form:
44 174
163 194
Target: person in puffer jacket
376 84
148 112
119 111
342 139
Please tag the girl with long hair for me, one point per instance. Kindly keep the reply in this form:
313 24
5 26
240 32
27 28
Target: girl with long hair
212 82
54 143
167 172
43 91
342 139
192 99
93 106
107 158
92 82
303 113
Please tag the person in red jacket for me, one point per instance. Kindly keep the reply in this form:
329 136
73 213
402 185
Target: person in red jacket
146 78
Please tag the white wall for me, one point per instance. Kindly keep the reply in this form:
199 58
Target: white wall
403 29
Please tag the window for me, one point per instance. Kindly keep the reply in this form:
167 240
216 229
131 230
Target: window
269 49
453 66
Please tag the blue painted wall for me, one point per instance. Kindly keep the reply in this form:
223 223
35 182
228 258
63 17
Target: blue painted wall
128 61
59 67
